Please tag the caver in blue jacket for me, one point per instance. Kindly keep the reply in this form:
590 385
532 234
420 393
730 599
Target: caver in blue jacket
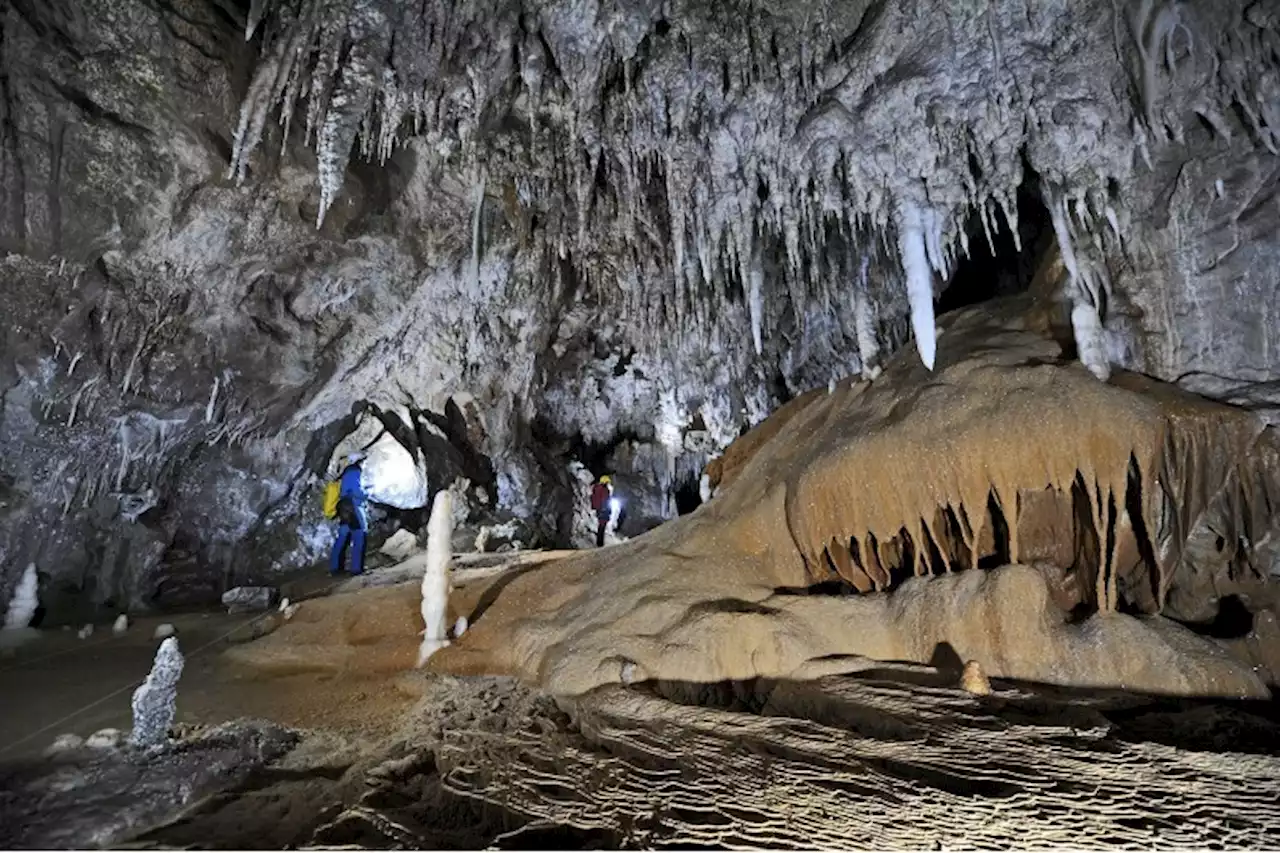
354 520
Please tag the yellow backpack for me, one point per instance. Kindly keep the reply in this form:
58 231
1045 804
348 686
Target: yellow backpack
330 505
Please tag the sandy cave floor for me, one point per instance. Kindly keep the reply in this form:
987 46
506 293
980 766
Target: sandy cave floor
59 684
393 757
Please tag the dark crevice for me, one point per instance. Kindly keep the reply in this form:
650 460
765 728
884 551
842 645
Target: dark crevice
1232 621
985 275
688 496
1146 549
1086 544
57 141
95 111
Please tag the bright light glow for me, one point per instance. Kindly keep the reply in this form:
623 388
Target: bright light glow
615 505
390 475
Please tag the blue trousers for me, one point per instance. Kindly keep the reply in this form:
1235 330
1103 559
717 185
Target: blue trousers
353 536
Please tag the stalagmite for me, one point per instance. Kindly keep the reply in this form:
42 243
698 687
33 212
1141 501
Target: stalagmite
974 680
25 601
155 702
435 580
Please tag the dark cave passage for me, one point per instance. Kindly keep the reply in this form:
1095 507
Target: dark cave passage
1232 621
983 275
688 496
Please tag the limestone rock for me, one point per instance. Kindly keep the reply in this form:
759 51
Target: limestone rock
401 545
65 743
94 798
248 599
105 739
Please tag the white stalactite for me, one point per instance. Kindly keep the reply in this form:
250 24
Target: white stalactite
755 299
919 275
213 400
864 324
435 580
1083 293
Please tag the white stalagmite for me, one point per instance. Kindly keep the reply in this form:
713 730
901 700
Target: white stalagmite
1090 339
435 580
155 703
915 265
25 600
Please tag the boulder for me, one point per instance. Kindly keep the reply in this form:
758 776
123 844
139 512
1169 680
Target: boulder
248 599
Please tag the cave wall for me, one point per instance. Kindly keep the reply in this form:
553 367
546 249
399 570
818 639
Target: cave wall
639 225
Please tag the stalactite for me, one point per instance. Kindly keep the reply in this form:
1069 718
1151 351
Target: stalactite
915 265
688 209
1085 288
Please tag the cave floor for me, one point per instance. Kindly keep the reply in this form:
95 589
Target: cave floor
391 756
58 684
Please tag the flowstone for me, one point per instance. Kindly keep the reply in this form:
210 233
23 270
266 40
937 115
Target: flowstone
1005 506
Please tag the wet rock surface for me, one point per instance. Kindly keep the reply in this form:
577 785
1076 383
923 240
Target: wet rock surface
90 798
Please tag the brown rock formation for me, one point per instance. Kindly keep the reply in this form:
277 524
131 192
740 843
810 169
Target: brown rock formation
1006 453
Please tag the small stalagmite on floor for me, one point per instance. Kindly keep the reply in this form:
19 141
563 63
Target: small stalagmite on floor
155 702
974 680
435 580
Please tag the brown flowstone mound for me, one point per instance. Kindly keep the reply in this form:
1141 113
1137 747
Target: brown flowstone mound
914 484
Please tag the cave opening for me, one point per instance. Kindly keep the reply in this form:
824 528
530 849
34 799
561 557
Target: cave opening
984 274
688 496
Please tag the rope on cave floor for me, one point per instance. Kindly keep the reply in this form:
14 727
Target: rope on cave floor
133 685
